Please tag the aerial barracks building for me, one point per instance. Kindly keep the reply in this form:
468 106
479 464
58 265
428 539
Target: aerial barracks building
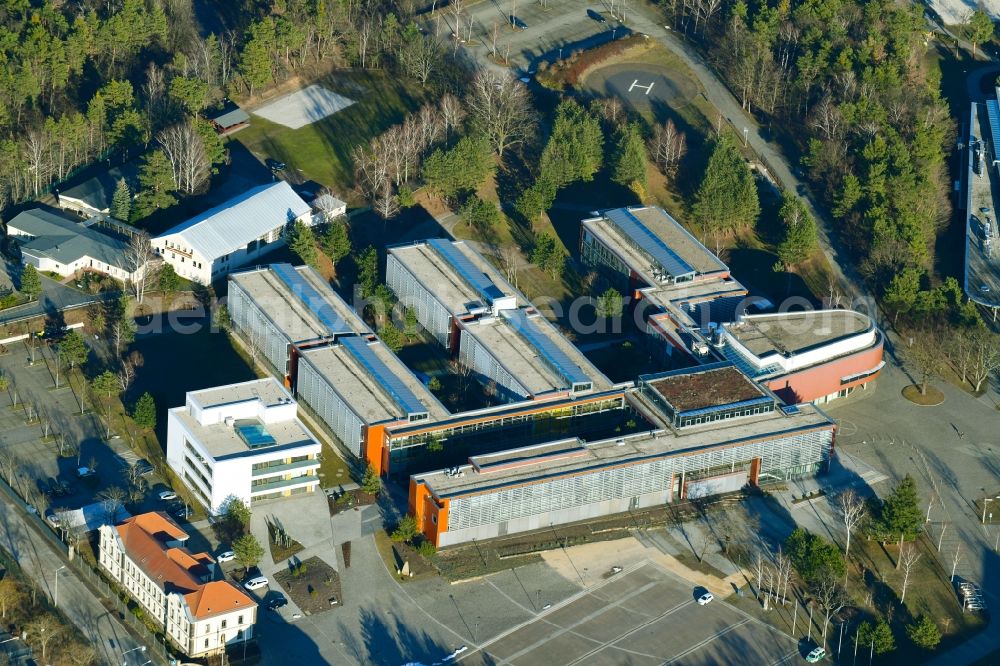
478 316
719 431
696 308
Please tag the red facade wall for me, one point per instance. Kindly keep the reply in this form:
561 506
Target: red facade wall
820 380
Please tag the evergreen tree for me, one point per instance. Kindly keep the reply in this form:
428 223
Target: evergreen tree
236 512
481 214
575 148
335 241
901 294
980 28
924 633
460 169
31 283
144 412
727 197
393 338
547 255
248 551
609 304
156 185
121 201
73 350
368 271
816 559
302 242
536 199
190 93
799 228
628 164
371 483
406 529
901 515
880 636
169 281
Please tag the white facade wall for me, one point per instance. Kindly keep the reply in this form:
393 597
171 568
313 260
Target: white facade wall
487 368
255 329
44 263
189 263
214 480
431 314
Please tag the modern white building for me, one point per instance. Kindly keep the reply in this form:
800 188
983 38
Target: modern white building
243 440
177 589
236 233
51 242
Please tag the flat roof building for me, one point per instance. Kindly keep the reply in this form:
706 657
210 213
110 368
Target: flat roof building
281 310
748 439
357 387
447 282
243 440
809 356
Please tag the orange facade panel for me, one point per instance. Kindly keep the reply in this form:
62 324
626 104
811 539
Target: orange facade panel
821 380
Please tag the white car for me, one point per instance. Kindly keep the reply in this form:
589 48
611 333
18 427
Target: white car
168 495
256 583
227 556
705 599
84 472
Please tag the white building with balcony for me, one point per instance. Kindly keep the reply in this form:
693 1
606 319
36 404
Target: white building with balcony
242 440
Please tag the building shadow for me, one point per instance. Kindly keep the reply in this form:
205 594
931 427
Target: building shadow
391 641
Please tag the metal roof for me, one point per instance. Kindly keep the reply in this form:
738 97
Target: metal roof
230 118
630 226
993 112
233 224
473 276
66 241
311 298
557 359
397 390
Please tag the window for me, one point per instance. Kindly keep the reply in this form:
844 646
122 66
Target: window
239 620
206 642
223 625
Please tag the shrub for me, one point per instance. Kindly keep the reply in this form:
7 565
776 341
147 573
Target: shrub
426 548
924 633
405 530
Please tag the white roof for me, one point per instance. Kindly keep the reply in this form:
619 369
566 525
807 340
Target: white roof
235 223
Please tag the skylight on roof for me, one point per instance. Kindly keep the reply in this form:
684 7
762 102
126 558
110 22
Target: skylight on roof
254 434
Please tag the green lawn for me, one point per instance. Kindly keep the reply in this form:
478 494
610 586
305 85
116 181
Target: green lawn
322 150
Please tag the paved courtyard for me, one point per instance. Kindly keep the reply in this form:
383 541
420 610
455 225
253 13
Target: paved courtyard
641 616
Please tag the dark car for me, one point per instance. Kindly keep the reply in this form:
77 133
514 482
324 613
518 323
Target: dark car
596 15
276 603
144 467
517 23
274 165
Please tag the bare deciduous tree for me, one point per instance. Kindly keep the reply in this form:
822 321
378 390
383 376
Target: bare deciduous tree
909 558
667 147
852 511
43 630
420 56
386 205
831 598
138 254
500 108
112 500
185 149
985 358
129 366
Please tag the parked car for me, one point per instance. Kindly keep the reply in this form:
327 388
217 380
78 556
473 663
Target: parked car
184 513
256 583
278 602
226 556
144 467
52 519
816 655
596 15
167 495
274 165
705 599
84 472
517 23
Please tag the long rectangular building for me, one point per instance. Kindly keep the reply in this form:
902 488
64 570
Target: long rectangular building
358 387
720 431
279 310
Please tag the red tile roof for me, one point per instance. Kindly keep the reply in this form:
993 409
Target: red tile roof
145 538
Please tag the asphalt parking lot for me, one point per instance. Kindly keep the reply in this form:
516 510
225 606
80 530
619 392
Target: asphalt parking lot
642 616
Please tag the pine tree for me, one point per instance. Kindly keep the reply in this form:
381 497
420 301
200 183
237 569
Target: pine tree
575 148
547 255
924 633
144 413
727 197
371 484
901 515
335 241
121 201
628 164
302 242
31 283
368 271
156 185
73 350
799 228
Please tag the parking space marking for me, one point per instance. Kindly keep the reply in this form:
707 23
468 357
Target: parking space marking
636 84
631 631
695 648
587 618
785 658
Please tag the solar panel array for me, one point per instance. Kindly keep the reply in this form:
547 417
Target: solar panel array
311 298
993 113
549 351
374 366
649 242
473 276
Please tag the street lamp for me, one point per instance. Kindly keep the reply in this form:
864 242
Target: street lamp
141 648
985 500
55 601
745 133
